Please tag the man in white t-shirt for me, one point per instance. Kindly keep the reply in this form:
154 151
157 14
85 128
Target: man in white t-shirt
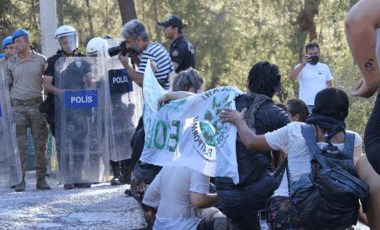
312 75
183 201
181 195
328 121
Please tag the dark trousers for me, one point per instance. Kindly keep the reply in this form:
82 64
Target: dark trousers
242 205
372 137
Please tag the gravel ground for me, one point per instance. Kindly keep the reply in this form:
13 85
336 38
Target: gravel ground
100 207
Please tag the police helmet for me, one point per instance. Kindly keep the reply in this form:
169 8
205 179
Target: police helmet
67 38
18 33
96 45
7 41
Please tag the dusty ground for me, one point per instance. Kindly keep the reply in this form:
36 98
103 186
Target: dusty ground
100 207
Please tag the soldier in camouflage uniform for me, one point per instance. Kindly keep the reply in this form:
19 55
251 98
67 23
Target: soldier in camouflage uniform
24 72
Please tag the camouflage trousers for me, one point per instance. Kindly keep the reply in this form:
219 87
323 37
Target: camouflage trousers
29 116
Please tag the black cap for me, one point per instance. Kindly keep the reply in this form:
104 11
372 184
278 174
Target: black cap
172 21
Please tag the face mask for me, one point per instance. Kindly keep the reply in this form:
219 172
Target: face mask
314 60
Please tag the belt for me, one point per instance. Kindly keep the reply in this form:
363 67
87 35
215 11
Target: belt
37 100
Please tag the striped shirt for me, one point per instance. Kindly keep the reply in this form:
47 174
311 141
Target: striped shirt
156 52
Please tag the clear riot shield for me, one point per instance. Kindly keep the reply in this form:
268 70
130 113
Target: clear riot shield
10 166
126 107
80 108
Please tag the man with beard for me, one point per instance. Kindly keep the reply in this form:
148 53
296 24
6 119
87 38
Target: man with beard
141 49
312 75
137 40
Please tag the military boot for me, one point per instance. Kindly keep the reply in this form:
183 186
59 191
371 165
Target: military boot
42 184
116 180
126 170
21 186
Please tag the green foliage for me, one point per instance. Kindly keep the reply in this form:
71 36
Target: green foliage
229 36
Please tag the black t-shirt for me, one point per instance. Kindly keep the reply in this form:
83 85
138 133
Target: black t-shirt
182 52
50 68
74 74
252 165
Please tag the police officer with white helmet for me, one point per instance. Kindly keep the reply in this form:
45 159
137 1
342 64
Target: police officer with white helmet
67 37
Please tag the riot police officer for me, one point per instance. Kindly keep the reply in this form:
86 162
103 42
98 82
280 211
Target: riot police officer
68 41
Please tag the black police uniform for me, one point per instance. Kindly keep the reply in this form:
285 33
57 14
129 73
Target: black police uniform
50 71
183 53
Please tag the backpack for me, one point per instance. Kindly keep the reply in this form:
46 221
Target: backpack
328 198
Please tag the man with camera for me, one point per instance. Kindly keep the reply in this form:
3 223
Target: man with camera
312 75
181 50
137 40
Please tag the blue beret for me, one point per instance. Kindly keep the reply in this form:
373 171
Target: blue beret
19 33
7 41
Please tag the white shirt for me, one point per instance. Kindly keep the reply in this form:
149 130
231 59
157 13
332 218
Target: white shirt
312 79
289 139
170 192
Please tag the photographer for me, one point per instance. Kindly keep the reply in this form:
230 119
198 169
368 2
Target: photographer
312 75
137 40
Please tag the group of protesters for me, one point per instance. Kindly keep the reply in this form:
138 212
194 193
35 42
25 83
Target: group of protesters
272 147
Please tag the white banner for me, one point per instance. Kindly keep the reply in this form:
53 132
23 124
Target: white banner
188 132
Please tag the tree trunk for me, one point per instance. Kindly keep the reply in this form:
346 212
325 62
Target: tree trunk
89 18
127 10
158 29
306 24
48 25
305 20
60 12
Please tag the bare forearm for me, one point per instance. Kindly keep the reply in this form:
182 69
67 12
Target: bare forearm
251 141
51 88
362 42
361 22
296 71
204 200
133 74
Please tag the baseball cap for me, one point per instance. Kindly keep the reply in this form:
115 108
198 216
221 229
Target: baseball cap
172 21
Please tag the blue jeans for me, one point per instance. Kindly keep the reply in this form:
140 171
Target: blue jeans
242 205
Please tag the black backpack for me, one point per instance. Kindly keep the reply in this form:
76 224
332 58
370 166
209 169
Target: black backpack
328 198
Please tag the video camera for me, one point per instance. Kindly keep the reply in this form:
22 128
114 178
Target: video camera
118 49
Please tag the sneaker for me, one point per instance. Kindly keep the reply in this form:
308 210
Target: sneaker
68 186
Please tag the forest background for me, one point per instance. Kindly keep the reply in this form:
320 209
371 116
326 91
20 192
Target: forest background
229 35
